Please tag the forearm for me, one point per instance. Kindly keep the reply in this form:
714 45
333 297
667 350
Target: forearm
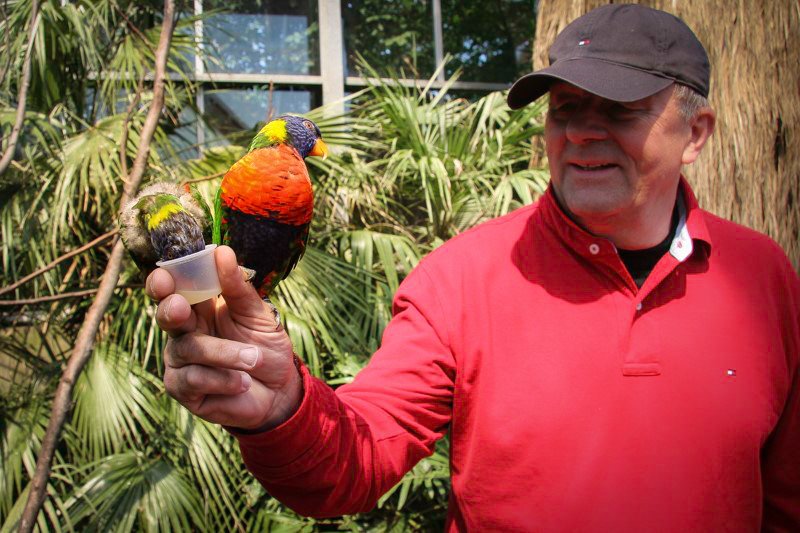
342 450
332 457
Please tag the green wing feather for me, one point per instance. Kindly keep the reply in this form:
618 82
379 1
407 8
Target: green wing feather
208 220
216 236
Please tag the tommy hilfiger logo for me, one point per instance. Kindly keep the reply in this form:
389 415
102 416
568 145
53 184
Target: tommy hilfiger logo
584 42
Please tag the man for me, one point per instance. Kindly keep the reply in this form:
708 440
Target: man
612 358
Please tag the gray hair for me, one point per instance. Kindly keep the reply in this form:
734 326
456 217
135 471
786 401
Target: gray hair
689 101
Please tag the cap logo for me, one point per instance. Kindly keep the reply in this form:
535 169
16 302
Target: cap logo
584 42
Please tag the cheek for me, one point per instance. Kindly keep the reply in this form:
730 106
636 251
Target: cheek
658 156
554 143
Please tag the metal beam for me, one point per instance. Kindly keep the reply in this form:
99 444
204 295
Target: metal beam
331 51
438 40
356 81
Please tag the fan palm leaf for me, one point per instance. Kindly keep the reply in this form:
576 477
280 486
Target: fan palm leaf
131 491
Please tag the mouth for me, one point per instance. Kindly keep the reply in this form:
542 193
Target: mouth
591 167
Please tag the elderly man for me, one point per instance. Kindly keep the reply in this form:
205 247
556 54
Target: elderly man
612 358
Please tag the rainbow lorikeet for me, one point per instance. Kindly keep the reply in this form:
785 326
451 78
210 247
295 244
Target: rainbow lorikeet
164 221
264 204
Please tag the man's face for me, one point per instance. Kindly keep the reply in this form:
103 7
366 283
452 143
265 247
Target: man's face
612 160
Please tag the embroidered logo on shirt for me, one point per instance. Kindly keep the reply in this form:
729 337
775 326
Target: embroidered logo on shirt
731 372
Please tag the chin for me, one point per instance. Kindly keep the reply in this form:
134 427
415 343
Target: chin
593 204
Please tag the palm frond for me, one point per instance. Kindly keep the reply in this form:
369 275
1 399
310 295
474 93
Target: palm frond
113 405
131 491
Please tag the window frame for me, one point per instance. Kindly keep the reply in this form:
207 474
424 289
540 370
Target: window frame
331 81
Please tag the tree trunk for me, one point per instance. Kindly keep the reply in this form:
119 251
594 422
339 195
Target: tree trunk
749 172
86 336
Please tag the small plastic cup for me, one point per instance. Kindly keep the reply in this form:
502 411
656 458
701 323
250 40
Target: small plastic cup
195 275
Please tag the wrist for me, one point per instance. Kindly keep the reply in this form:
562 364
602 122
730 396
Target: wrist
287 402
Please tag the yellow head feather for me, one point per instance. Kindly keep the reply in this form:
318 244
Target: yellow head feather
275 131
162 214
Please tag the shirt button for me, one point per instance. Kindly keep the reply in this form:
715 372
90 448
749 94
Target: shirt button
639 306
594 249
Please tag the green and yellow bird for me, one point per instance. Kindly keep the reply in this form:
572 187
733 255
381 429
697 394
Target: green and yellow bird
264 206
164 221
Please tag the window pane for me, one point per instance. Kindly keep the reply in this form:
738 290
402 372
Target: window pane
183 137
491 41
390 34
264 37
232 115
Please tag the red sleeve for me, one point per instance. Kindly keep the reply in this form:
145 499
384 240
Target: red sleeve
342 450
781 454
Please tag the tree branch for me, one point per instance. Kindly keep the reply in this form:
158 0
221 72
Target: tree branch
86 336
23 91
55 262
64 296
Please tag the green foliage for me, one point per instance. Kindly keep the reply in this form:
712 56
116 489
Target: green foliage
411 167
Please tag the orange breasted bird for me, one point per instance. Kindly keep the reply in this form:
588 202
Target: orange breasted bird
265 202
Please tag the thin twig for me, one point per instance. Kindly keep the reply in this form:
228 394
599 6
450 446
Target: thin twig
123 142
64 296
204 178
133 27
22 99
86 336
55 262
270 109
8 42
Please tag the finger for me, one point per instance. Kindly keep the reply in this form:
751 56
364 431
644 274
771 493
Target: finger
240 296
247 410
192 383
159 284
175 316
198 349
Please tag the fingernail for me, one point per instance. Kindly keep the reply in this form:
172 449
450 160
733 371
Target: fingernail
246 381
249 356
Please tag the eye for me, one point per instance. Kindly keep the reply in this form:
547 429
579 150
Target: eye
308 125
619 110
561 109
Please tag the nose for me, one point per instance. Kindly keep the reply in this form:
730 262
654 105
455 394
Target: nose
586 124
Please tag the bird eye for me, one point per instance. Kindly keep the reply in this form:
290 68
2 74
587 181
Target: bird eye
308 125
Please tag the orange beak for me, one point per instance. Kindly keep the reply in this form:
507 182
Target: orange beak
320 149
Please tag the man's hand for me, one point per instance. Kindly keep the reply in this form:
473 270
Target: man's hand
227 360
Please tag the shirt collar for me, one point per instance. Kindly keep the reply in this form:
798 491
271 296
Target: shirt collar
691 227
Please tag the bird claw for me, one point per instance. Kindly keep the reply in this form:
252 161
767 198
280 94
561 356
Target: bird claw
275 313
249 273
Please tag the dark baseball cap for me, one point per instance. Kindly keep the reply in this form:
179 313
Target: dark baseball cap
622 52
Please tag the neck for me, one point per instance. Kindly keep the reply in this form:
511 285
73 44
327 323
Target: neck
262 141
272 134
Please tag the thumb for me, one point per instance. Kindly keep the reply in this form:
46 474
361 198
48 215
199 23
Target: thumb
240 296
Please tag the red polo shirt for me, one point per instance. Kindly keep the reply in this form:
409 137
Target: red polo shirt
575 401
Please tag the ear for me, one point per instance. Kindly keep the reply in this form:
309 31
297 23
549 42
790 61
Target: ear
702 126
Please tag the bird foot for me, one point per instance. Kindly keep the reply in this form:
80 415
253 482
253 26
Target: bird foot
249 273
275 313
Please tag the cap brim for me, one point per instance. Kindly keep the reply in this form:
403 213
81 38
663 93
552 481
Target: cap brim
607 80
